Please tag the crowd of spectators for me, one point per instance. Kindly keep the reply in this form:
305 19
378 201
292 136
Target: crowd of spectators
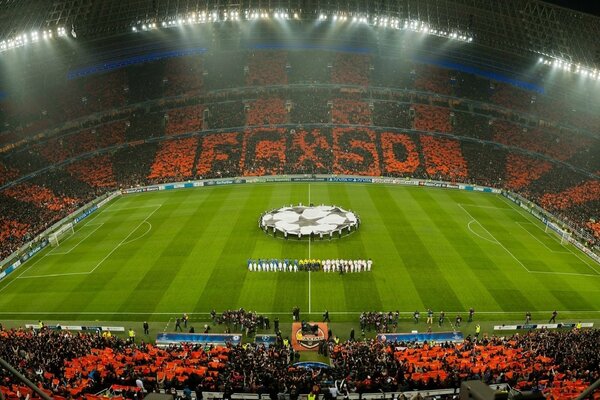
309 67
267 68
174 160
350 111
226 115
310 152
560 364
96 171
400 154
266 111
304 150
433 79
432 119
7 174
351 69
271 151
145 125
309 107
92 94
220 155
264 152
392 114
587 192
184 120
355 152
183 75
132 164
444 159
521 170
40 196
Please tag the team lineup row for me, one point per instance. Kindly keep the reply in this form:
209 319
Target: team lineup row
328 265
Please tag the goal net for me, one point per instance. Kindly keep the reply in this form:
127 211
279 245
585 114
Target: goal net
57 236
565 237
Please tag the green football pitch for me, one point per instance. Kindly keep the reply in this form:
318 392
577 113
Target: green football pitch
157 255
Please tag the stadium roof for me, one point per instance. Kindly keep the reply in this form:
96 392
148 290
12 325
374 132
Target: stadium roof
519 27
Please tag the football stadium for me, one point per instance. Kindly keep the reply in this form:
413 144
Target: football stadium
301 199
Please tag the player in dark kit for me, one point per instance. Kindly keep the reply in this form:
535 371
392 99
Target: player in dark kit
553 319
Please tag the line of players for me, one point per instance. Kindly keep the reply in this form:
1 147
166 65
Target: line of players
334 265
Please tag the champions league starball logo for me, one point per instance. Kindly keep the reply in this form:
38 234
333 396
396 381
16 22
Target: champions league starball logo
303 221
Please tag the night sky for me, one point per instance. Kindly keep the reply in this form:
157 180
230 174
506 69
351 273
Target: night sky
586 6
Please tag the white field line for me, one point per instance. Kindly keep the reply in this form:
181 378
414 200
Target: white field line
53 253
124 240
52 275
585 260
564 273
141 236
22 272
477 234
101 261
309 279
132 208
533 236
498 242
480 206
274 312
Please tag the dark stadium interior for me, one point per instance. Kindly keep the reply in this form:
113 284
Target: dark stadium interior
119 103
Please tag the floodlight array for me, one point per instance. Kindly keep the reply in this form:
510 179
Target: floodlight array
26 39
378 21
567 66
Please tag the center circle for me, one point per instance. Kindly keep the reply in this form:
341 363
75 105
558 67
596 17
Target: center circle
306 221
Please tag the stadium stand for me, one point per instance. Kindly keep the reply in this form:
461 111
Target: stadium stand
68 365
264 152
220 156
351 111
326 149
267 68
183 75
96 171
184 120
174 160
309 153
266 111
351 69
443 159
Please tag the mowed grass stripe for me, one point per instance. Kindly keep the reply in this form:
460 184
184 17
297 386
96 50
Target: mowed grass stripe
402 227
271 290
290 283
182 223
454 249
204 213
434 290
228 276
113 282
360 290
51 291
537 259
480 274
389 272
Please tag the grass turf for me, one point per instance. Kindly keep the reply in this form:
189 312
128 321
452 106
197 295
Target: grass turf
154 256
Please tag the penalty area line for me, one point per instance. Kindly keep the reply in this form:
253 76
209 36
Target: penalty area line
497 241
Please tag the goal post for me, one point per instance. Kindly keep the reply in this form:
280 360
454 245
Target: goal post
56 237
565 236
